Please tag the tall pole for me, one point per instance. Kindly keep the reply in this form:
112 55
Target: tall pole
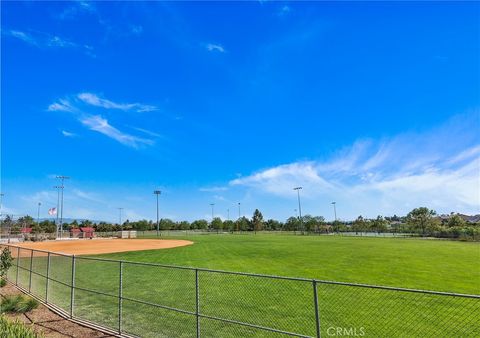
57 210
228 214
212 205
38 213
62 178
335 210
157 192
120 218
239 210
299 207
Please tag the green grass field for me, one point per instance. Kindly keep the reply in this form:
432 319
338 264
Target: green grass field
280 304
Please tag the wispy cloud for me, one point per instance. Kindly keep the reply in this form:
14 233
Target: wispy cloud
439 169
284 10
95 100
68 134
46 41
101 125
90 110
213 47
213 189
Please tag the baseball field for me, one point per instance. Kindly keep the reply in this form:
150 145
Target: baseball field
285 305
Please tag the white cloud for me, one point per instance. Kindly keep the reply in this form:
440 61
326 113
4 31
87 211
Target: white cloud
68 134
88 109
95 100
213 189
439 169
101 125
212 47
46 40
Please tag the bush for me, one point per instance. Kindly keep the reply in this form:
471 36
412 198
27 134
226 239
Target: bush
15 329
18 304
3 282
5 262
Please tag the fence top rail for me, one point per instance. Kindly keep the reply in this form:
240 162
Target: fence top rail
299 279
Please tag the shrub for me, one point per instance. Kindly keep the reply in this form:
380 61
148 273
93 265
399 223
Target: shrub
3 282
5 262
18 304
15 329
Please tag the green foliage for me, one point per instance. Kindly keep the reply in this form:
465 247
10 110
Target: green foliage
18 304
5 262
456 221
16 329
257 220
421 219
3 282
216 224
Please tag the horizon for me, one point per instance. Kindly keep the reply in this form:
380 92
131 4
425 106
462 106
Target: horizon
369 105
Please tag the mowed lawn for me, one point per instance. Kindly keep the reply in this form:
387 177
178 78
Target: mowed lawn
280 304
403 262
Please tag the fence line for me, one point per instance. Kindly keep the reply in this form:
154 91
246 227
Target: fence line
151 300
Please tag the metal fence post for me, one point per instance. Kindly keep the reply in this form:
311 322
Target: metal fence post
120 298
31 268
72 293
197 303
48 277
18 264
317 315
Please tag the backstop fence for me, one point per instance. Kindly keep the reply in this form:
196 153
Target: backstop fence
155 300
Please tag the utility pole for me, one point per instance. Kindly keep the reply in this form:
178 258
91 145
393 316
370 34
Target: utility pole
62 178
157 192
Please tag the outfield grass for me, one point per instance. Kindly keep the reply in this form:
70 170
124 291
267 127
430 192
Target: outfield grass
281 304
412 263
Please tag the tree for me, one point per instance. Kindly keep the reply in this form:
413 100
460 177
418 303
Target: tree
257 220
456 221
272 224
216 224
420 219
199 224
229 225
242 224
359 225
379 224
292 224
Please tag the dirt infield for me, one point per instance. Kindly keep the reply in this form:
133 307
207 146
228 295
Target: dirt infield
103 246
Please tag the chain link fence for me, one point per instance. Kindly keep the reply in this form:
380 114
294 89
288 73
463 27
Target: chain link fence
154 300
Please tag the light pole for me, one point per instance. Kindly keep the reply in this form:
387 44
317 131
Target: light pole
299 207
58 187
335 213
335 210
38 213
62 178
212 205
157 192
120 218
228 214
238 210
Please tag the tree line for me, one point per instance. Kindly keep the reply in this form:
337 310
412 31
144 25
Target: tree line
420 221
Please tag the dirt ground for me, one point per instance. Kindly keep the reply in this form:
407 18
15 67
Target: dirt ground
102 246
48 322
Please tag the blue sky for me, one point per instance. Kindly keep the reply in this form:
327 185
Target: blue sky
372 105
